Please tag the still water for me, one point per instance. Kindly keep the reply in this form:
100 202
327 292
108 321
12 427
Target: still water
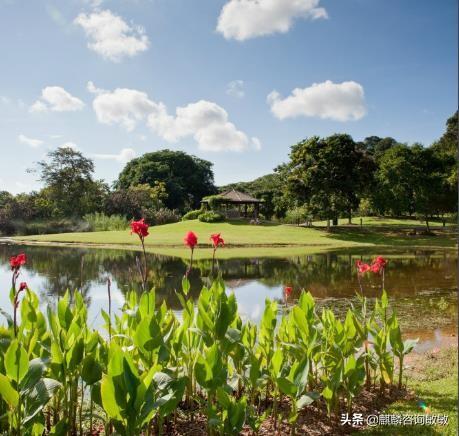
422 285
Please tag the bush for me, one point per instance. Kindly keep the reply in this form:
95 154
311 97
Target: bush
162 216
211 217
214 201
192 215
99 222
297 215
65 225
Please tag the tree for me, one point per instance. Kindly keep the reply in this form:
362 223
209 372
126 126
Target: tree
187 178
412 180
376 146
446 150
136 201
69 184
328 175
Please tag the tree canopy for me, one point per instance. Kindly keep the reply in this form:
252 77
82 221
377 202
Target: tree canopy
187 178
69 183
328 175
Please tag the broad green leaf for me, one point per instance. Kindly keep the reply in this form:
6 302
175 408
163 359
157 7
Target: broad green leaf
108 395
16 361
7 392
91 371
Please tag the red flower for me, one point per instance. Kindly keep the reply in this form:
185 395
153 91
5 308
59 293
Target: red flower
190 240
288 290
217 240
139 228
378 265
17 261
362 267
23 286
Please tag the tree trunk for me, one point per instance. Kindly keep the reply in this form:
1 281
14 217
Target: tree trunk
349 217
328 225
427 224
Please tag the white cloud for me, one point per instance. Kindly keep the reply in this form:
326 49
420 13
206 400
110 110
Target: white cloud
123 106
235 88
110 36
30 141
55 136
124 156
336 101
5 100
205 121
93 89
57 99
245 19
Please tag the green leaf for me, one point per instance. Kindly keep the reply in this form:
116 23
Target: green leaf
16 361
108 395
33 375
286 386
7 392
307 399
91 371
327 393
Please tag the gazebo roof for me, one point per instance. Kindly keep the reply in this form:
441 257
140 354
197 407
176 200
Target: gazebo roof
233 196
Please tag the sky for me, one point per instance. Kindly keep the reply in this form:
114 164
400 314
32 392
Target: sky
236 82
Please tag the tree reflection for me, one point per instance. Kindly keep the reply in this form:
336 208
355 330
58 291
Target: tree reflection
326 275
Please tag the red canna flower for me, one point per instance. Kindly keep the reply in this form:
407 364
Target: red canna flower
17 261
378 265
288 290
191 240
217 240
23 286
140 228
362 267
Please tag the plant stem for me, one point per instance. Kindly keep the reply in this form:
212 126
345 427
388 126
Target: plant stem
109 308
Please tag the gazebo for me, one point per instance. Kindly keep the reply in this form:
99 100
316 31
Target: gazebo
237 199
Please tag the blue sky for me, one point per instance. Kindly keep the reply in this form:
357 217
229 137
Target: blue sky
216 78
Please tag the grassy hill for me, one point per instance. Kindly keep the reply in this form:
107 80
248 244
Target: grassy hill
243 239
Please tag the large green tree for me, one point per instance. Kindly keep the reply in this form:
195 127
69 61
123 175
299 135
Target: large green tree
328 175
187 178
69 184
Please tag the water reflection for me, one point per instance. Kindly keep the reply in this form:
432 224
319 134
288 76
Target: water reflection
420 281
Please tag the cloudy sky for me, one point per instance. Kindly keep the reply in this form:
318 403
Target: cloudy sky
233 81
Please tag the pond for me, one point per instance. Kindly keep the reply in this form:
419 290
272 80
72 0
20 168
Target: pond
422 285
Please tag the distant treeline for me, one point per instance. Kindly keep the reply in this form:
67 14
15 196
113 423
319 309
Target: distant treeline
324 178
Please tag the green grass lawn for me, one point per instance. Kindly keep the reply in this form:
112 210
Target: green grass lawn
245 240
433 380
383 221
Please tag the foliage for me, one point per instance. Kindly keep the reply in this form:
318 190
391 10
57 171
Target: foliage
58 371
297 215
98 222
187 178
162 216
136 201
211 217
328 175
69 184
192 215
214 201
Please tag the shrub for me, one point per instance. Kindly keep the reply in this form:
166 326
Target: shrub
297 215
162 216
211 217
99 222
192 215
214 201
